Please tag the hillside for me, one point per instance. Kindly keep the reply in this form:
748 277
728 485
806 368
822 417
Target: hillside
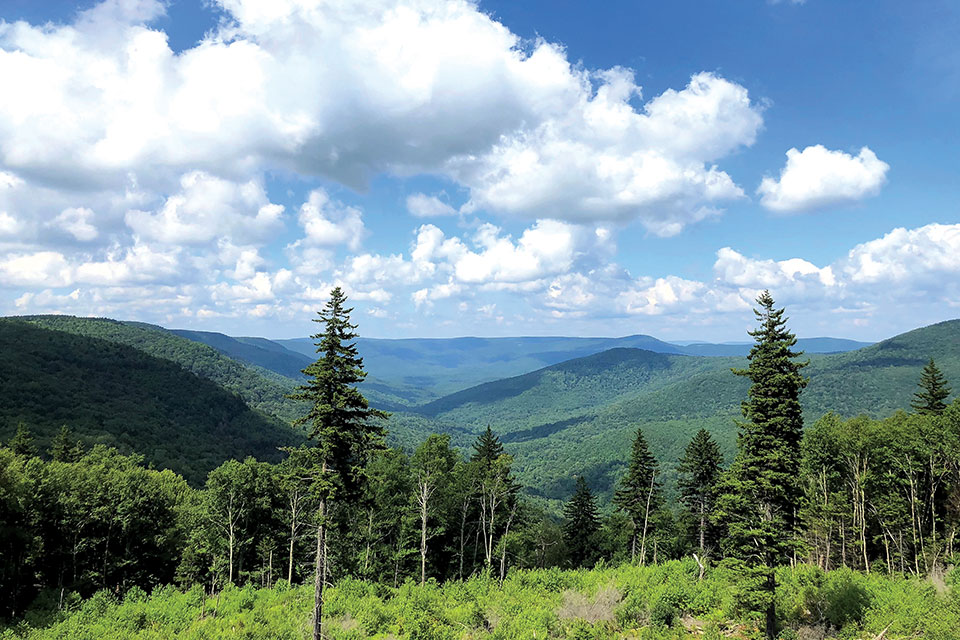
424 369
259 388
807 345
416 371
253 351
117 395
579 417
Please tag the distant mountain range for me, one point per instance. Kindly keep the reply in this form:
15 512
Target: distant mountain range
411 371
563 406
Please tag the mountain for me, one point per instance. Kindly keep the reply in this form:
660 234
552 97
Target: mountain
417 370
578 417
260 388
258 352
406 372
114 394
807 345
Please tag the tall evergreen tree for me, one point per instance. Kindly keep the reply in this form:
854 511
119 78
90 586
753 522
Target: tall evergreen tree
934 390
22 442
762 491
699 471
62 449
341 422
639 494
487 449
582 522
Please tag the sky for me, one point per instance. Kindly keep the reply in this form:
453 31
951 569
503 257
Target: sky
487 168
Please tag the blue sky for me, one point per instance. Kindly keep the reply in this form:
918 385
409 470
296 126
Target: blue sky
492 168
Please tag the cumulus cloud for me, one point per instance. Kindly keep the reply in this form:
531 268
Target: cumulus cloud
907 255
421 205
818 178
388 88
329 223
77 221
547 248
733 268
207 207
602 159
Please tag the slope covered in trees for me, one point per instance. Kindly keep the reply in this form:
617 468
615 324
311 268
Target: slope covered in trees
578 415
113 394
258 387
253 351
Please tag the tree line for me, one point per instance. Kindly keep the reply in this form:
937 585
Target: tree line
873 495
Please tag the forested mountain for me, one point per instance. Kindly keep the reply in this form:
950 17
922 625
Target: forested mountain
117 395
254 351
417 370
570 417
260 388
578 417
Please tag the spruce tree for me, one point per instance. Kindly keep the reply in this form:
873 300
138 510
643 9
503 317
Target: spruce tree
22 443
699 471
934 390
762 491
639 494
582 522
487 449
340 421
61 449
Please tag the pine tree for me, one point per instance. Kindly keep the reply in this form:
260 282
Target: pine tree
933 391
487 449
639 495
61 449
340 420
699 471
762 491
22 443
582 522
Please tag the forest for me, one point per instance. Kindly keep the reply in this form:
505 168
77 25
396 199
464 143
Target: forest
845 528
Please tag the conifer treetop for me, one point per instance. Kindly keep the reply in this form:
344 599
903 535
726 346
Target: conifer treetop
934 390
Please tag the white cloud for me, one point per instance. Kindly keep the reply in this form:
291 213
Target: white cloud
547 248
601 159
77 222
733 268
39 269
907 255
349 91
329 223
208 207
424 206
818 178
8 224
662 295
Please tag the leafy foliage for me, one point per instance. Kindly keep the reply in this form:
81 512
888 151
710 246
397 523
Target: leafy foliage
651 602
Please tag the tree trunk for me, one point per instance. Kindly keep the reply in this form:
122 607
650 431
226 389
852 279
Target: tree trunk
771 622
703 526
424 499
463 533
503 540
646 520
293 540
320 572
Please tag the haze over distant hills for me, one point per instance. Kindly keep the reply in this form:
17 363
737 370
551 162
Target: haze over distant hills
446 365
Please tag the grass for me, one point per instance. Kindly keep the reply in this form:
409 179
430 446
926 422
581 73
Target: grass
652 602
